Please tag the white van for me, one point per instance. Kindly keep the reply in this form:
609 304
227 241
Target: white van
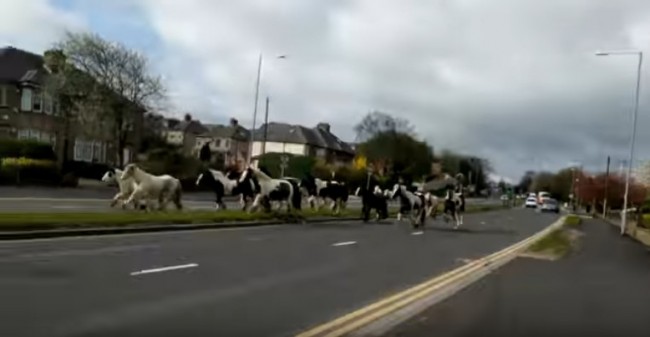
541 196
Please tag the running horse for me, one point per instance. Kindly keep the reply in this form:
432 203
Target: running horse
163 188
373 197
413 204
272 190
455 204
218 183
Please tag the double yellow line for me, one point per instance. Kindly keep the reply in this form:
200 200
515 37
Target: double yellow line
364 316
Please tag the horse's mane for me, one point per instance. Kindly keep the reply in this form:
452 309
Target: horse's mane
260 174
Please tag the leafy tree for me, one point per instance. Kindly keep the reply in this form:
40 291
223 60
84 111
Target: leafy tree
298 166
526 182
394 153
377 122
107 86
542 182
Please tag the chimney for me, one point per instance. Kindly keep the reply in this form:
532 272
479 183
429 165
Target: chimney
324 126
187 117
234 122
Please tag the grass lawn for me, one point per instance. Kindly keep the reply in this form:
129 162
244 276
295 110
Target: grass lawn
557 243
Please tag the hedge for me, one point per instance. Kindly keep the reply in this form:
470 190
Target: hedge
29 171
12 148
86 170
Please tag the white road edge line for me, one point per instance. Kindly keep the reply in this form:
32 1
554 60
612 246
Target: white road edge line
344 243
162 269
417 233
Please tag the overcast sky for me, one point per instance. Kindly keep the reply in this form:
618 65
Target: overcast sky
514 81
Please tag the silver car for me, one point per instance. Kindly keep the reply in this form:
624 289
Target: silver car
549 205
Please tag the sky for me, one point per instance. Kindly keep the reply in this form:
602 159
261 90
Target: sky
514 81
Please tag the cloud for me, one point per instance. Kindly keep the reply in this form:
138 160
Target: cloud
36 24
514 81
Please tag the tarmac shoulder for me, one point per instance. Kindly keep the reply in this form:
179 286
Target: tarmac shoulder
600 288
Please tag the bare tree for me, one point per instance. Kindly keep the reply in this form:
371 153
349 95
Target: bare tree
377 122
110 85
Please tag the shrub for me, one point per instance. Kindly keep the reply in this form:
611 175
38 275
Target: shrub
85 170
29 171
13 148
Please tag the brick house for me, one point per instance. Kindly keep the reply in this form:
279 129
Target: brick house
228 143
27 112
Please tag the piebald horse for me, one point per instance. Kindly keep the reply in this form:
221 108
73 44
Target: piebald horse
219 183
412 204
272 189
454 206
163 188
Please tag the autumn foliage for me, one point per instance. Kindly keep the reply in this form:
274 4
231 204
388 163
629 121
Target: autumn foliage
592 188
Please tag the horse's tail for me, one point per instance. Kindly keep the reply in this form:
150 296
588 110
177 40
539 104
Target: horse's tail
178 194
296 196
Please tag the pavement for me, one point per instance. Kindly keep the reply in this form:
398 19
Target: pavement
601 289
267 281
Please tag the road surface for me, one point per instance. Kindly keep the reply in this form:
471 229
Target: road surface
600 290
268 281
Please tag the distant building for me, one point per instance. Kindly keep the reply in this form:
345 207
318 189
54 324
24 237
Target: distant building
304 141
229 143
184 133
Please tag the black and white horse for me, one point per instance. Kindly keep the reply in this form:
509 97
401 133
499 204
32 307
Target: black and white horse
272 189
247 190
455 206
412 204
319 191
218 183
373 197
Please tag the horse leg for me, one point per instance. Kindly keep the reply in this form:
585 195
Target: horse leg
116 198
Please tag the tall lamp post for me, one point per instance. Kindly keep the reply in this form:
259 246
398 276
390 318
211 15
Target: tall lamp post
257 95
634 122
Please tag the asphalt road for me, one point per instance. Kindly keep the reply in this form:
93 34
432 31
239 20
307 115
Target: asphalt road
268 281
602 289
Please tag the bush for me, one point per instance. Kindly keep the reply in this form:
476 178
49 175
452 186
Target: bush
12 148
85 170
29 171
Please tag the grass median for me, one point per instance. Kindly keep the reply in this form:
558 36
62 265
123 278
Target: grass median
70 220
560 241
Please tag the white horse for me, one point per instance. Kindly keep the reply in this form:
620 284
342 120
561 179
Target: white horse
272 189
126 186
163 187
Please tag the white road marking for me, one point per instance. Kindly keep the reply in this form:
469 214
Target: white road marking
162 269
344 243
417 233
482 222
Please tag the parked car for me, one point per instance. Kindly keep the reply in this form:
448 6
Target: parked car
531 202
549 205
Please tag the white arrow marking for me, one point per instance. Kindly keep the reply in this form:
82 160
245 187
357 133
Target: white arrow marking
162 269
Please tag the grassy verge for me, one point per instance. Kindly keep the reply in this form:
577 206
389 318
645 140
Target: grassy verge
559 242
70 220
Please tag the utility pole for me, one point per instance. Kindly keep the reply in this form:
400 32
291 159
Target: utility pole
266 125
606 188
257 93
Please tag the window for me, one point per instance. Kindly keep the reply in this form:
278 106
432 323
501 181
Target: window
3 96
34 134
26 100
227 143
89 151
38 102
23 134
217 143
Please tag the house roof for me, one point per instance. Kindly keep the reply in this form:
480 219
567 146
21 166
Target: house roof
194 127
228 131
17 65
298 134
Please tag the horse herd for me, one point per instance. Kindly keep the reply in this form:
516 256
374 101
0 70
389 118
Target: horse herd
256 189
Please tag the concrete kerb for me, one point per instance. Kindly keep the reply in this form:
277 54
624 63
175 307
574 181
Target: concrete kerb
379 317
144 228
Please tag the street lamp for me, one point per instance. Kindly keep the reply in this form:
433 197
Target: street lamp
634 120
257 95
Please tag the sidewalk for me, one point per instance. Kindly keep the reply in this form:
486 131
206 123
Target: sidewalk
601 289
